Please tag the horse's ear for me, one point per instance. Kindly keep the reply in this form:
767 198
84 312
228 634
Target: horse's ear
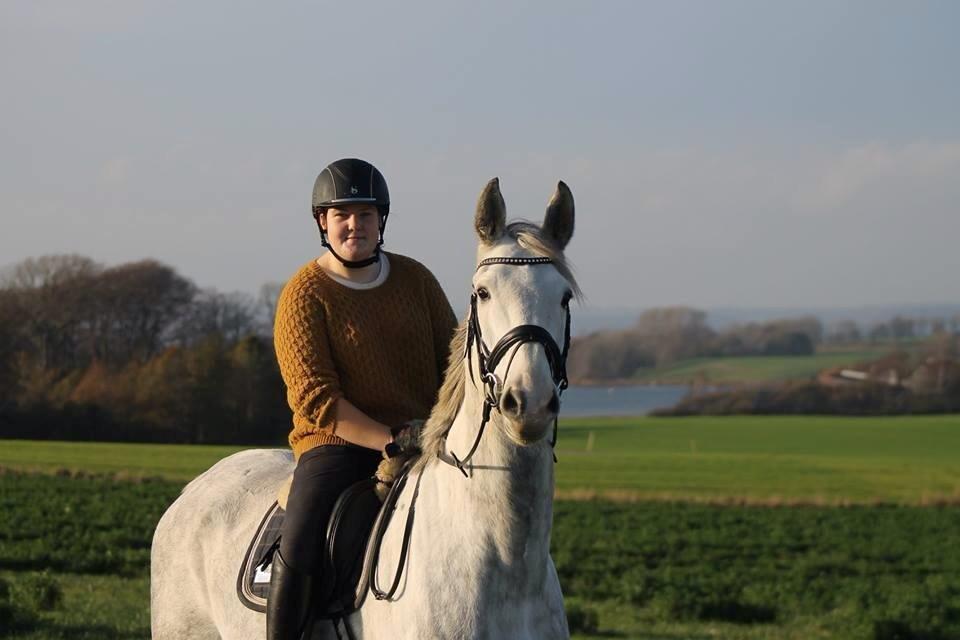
558 223
491 217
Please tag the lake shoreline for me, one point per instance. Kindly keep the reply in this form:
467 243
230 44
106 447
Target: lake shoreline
623 400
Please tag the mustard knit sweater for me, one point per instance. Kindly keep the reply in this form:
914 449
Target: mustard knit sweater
384 349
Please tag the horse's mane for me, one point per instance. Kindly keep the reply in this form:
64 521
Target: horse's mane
530 237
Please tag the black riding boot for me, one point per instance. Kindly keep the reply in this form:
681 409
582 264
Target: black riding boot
288 604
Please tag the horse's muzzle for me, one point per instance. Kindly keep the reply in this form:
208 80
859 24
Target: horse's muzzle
528 423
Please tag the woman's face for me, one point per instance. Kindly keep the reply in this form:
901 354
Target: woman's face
353 230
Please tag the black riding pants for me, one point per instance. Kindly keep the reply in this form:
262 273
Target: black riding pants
321 475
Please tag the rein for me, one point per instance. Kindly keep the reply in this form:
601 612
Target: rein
488 359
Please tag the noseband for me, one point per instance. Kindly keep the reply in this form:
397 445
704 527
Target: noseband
488 359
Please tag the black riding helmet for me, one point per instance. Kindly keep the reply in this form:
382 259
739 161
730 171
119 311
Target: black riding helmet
351 181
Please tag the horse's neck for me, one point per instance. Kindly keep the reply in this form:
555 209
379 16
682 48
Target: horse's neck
505 507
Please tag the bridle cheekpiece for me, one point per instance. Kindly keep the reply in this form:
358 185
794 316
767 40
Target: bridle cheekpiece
488 359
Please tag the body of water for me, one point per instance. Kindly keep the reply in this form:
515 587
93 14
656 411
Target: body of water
619 401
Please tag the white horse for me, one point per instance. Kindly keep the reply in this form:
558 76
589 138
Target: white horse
479 561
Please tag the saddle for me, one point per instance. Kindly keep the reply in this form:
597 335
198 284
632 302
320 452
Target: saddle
353 533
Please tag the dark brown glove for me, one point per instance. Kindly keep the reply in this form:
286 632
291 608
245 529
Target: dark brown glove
405 445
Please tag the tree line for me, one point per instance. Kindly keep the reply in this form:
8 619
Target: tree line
898 328
135 352
809 397
138 352
665 335
662 336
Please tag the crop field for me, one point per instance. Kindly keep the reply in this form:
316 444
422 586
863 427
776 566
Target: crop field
74 565
753 369
717 528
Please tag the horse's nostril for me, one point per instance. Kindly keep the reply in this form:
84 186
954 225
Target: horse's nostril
511 403
554 405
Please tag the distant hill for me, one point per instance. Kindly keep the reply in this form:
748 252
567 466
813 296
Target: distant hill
589 319
865 316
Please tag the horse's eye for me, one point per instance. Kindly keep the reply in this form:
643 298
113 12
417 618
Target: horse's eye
566 299
482 293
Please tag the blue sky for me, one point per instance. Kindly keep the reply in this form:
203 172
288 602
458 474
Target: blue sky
720 153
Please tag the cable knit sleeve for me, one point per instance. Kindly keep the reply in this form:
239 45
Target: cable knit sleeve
442 319
304 356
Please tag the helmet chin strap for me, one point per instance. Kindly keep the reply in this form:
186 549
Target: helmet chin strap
353 264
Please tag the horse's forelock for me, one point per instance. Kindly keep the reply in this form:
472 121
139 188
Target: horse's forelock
531 237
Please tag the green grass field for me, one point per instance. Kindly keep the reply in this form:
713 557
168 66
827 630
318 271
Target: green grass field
765 459
169 461
761 459
753 369
651 563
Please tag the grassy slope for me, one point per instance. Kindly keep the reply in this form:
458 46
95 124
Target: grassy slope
764 458
170 461
756 458
754 369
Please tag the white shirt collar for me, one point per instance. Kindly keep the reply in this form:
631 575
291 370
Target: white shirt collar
376 282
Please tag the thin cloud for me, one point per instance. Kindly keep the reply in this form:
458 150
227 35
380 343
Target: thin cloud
840 178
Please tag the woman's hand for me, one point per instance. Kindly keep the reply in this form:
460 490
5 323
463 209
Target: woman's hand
404 446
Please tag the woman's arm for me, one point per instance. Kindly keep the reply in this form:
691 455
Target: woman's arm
304 357
358 428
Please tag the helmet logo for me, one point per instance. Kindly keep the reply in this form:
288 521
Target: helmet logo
354 191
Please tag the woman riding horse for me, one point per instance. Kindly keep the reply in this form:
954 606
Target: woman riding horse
477 545
362 338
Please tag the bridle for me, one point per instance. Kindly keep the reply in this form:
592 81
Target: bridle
488 359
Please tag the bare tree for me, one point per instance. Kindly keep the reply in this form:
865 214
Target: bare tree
140 302
232 316
54 297
48 271
955 324
902 327
267 306
880 332
844 332
673 333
